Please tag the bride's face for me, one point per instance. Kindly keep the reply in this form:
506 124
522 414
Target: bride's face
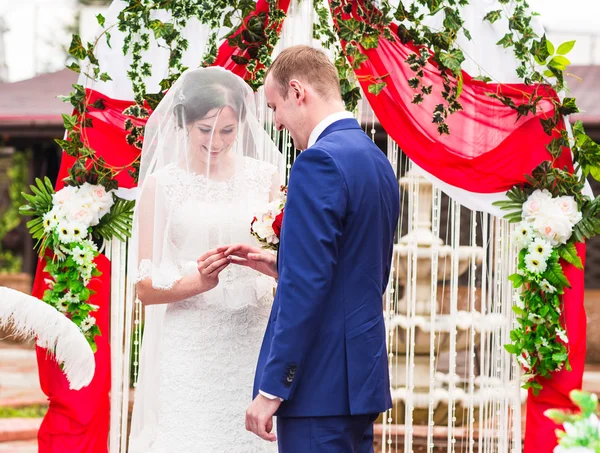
213 136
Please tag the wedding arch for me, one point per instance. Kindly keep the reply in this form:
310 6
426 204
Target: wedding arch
472 98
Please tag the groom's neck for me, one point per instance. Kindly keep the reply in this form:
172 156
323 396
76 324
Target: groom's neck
323 110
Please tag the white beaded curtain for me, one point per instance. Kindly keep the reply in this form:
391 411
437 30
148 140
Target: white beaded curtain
448 311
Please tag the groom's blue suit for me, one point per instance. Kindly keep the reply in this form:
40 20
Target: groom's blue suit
324 349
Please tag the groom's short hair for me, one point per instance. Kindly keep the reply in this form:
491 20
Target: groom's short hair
308 65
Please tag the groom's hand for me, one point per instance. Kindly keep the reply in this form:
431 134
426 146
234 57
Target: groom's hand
252 257
259 417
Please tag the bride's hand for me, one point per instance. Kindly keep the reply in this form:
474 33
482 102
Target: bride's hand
210 266
252 257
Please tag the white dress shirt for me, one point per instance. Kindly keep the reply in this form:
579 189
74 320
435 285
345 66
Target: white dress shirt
325 123
312 139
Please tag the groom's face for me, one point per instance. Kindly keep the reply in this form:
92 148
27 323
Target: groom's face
288 112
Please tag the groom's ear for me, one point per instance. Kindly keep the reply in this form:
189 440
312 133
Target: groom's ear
297 90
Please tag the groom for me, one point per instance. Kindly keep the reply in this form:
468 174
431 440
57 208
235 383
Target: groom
323 368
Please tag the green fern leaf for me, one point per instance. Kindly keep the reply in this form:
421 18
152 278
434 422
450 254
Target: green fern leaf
555 275
568 253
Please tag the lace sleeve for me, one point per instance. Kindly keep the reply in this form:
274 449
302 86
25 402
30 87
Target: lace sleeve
163 278
144 271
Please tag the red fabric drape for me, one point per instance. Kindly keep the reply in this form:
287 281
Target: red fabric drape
539 430
487 149
77 421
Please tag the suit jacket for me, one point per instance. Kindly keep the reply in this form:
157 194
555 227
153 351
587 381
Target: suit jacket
324 348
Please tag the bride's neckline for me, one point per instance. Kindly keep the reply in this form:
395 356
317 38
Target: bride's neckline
240 165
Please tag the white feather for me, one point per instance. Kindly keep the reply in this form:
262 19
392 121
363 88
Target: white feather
34 319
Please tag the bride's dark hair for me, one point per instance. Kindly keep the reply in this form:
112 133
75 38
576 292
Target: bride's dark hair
208 89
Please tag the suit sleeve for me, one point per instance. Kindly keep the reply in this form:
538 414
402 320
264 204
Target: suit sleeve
312 226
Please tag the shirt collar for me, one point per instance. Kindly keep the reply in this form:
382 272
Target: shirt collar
324 124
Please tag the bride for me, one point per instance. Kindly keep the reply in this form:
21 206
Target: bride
207 165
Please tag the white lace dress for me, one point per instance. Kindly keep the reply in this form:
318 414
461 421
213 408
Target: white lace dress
210 343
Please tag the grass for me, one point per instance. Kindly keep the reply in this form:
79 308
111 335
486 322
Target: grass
35 411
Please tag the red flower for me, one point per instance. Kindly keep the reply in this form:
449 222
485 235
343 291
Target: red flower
277 223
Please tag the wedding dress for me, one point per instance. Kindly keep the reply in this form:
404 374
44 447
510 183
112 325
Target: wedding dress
210 342
199 355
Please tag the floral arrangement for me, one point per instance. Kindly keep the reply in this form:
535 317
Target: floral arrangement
67 225
266 225
582 430
547 232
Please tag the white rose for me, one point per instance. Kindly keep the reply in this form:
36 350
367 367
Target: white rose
104 206
264 230
533 205
103 200
553 226
84 193
568 207
83 214
63 196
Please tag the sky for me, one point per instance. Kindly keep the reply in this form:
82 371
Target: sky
37 33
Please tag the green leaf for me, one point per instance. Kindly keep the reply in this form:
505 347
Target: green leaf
375 88
76 48
369 41
117 223
587 402
238 59
517 280
100 18
565 47
511 348
69 121
506 41
493 16
555 275
105 77
482 78
559 62
555 147
560 357
548 124
568 252
452 60
518 310
539 49
558 416
568 107
550 47
595 172
359 59
349 29
74 67
153 99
